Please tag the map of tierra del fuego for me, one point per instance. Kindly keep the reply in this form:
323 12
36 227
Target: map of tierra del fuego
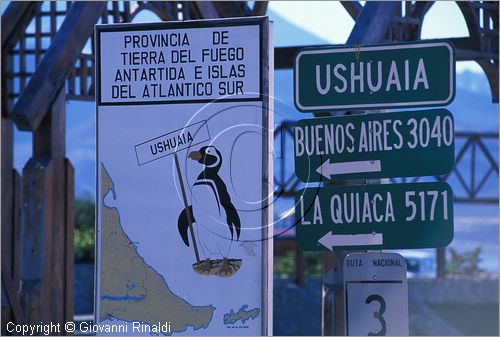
131 290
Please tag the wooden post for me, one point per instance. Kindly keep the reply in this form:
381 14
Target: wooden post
441 262
12 311
69 220
47 264
16 230
14 20
7 145
36 238
299 266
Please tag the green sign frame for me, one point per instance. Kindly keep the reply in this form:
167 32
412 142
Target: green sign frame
374 217
380 145
415 74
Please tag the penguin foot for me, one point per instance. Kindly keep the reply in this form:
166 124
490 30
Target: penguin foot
229 267
203 267
222 268
225 269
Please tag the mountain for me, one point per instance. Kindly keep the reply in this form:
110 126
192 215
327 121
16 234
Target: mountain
472 107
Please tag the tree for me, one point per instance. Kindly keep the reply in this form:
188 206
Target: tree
84 234
464 264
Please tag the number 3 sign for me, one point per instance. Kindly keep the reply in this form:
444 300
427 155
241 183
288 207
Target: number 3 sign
376 294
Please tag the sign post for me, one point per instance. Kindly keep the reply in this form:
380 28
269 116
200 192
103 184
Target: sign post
417 74
376 292
182 138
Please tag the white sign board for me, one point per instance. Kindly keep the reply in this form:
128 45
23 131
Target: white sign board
376 295
183 159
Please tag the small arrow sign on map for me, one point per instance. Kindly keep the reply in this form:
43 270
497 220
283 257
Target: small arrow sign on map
329 240
327 169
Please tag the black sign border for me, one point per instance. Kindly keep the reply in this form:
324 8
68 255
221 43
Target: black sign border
190 24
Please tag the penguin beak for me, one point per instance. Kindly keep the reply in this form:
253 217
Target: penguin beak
195 155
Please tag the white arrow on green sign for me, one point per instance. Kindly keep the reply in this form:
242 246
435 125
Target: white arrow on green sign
330 240
383 145
369 77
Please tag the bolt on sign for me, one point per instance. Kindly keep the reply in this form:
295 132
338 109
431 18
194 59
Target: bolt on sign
375 294
373 217
413 74
183 142
383 145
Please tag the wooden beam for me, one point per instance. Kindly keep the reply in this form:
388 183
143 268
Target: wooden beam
230 9
284 56
15 19
260 8
207 9
51 74
466 43
353 8
372 23
491 71
11 290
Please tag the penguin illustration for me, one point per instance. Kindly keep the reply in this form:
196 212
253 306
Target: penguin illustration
217 221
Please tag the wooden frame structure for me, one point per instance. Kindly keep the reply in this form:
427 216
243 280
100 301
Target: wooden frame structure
55 39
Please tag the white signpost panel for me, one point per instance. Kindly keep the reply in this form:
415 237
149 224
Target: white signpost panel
183 178
376 295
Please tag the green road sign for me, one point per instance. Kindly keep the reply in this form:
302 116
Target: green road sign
382 145
391 216
370 77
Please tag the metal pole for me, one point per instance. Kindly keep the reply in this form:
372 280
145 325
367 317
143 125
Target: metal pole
332 320
188 211
332 300
371 25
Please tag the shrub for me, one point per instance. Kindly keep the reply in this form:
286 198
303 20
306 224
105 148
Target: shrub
84 233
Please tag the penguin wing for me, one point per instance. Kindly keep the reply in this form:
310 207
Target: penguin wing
183 224
233 219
